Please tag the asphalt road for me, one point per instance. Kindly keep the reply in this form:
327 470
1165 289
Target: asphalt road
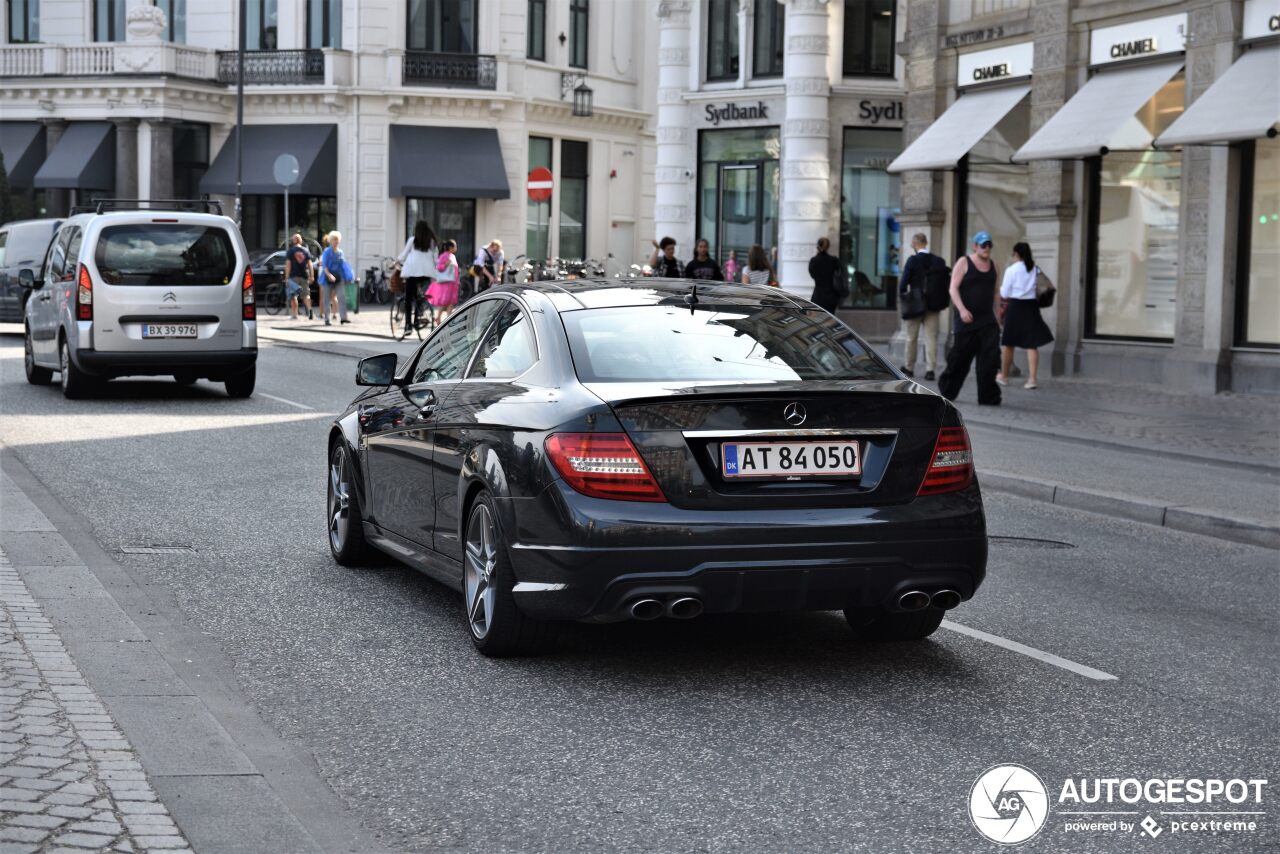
761 733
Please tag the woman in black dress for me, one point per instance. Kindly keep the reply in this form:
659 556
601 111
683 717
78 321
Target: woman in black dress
1024 328
822 269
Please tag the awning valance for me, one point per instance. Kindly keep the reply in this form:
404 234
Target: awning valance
447 162
23 146
315 146
1102 116
959 129
1244 103
84 158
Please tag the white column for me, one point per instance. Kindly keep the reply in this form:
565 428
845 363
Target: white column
806 164
673 176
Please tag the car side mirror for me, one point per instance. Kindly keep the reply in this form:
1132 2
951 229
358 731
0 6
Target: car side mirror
377 370
26 278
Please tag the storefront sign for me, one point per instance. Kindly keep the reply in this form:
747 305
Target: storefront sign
1153 37
735 113
992 66
974 36
1261 19
875 112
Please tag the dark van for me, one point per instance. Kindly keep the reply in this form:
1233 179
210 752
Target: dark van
22 244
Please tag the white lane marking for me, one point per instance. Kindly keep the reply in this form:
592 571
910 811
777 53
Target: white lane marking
287 401
1039 655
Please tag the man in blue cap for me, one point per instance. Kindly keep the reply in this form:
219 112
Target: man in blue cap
975 288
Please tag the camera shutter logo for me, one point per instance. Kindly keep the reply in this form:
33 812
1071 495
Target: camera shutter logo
1008 804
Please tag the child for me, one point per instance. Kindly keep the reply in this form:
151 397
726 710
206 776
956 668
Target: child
443 293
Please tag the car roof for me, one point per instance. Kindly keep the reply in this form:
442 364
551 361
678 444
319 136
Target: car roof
50 221
575 294
146 215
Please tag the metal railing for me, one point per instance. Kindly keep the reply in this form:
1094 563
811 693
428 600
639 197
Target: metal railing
273 66
461 70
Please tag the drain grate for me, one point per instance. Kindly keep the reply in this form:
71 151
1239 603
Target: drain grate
1029 543
157 550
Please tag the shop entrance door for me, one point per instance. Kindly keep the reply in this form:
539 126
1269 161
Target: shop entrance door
747 208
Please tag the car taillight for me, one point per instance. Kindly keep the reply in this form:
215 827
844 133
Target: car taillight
951 468
603 465
84 295
247 288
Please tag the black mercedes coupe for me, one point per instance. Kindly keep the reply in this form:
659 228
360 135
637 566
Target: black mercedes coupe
634 449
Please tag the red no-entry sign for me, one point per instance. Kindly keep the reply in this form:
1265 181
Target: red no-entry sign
540 184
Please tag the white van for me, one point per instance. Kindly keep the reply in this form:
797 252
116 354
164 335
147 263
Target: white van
142 292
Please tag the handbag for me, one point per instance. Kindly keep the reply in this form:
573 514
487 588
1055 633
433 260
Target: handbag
1045 291
912 304
396 285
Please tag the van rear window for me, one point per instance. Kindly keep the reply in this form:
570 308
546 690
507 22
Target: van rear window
165 254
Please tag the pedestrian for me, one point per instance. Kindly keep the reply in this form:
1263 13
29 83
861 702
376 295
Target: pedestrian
443 293
973 293
731 266
758 270
1024 328
663 260
828 278
417 266
925 282
334 274
299 272
489 266
703 267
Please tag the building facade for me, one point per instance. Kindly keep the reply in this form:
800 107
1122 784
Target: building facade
1133 145
394 109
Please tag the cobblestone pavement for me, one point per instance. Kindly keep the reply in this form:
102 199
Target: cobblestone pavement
69 781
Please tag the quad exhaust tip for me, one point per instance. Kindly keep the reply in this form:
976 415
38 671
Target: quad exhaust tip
646 609
913 600
685 608
945 599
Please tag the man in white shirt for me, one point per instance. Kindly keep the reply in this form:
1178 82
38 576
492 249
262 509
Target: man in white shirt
490 264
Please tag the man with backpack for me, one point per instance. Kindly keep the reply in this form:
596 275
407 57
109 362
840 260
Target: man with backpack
923 294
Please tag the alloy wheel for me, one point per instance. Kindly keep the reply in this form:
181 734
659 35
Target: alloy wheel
481 560
339 499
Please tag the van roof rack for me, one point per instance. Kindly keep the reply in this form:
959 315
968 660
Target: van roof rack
213 206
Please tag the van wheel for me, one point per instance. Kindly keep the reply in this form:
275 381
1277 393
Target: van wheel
241 384
76 384
36 375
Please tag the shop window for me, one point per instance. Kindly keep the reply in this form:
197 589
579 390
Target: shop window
324 23
538 214
311 216
24 21
992 190
579 28
768 39
1133 219
262 24
442 26
870 201
450 219
573 199
722 40
537 46
1258 302
737 192
108 20
869 29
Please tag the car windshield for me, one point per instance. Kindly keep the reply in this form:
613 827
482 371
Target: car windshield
657 343
165 254
26 243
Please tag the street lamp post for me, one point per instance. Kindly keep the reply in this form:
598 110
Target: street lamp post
240 116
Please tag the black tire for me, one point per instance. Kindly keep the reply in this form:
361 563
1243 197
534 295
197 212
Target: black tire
76 384
275 299
383 294
342 504
875 625
398 331
36 375
241 385
497 627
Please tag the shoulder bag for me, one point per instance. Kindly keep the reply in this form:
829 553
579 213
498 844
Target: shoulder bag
1045 291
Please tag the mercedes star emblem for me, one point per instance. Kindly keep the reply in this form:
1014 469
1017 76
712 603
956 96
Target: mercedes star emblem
794 414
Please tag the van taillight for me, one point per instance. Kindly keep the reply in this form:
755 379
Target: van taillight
603 465
247 290
951 467
84 295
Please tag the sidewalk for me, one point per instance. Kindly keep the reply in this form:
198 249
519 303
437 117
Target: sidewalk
368 333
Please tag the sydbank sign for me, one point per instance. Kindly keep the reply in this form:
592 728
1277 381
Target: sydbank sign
1138 40
1010 62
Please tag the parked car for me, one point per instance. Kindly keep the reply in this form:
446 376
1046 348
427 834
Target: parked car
23 243
634 448
150 292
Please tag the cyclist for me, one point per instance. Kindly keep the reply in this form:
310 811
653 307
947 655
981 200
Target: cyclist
489 266
418 265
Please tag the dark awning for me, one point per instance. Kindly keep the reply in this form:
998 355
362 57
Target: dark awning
448 163
22 144
84 158
315 146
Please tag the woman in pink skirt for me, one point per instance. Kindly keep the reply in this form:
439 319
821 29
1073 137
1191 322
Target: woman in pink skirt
443 293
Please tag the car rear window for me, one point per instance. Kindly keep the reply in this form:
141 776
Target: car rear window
656 343
165 254
26 244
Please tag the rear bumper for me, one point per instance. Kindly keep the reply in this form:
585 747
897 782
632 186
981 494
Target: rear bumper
818 559
214 364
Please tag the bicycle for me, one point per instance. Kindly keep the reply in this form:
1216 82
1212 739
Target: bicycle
423 317
376 287
273 299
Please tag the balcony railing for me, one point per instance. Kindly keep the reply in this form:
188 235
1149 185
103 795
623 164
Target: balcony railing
462 70
105 59
273 66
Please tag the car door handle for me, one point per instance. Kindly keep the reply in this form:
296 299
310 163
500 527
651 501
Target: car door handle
43 298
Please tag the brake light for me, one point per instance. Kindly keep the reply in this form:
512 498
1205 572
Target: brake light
84 295
247 289
603 465
951 468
